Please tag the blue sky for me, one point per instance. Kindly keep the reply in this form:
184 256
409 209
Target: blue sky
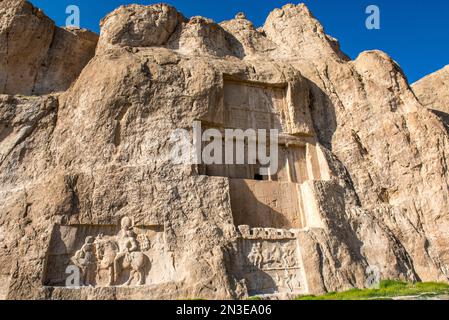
415 32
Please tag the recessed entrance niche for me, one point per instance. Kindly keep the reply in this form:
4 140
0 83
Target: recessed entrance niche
292 167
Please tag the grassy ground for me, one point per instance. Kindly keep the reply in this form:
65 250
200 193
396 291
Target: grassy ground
388 289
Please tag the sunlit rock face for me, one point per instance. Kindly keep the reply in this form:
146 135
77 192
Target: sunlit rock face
433 92
93 206
36 56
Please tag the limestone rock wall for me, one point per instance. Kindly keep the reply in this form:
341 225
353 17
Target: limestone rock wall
38 57
366 114
74 164
432 90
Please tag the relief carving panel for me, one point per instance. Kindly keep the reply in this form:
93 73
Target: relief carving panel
109 255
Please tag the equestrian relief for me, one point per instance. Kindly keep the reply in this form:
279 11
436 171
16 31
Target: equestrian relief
114 260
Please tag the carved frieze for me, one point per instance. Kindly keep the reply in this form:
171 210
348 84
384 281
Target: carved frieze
248 233
269 260
108 255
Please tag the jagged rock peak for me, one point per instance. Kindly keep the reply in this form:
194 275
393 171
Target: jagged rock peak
139 26
294 28
291 30
240 15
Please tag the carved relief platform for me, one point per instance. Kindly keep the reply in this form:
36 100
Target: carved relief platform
106 255
269 260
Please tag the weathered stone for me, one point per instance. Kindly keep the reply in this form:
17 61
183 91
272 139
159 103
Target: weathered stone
139 26
38 57
362 183
433 92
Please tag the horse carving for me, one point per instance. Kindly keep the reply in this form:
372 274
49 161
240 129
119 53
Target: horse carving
121 255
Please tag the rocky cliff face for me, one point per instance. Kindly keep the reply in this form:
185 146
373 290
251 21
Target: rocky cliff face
433 92
363 186
38 57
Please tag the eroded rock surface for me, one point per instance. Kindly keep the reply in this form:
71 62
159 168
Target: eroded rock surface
36 56
433 92
362 185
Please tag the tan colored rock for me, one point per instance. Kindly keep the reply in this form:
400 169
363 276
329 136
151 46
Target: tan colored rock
366 114
139 26
38 57
69 53
433 90
362 184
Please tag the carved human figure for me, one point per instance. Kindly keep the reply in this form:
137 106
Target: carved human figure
114 254
289 258
85 260
276 255
288 278
127 243
256 256
129 255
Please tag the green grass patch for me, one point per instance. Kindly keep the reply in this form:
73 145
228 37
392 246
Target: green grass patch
387 290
